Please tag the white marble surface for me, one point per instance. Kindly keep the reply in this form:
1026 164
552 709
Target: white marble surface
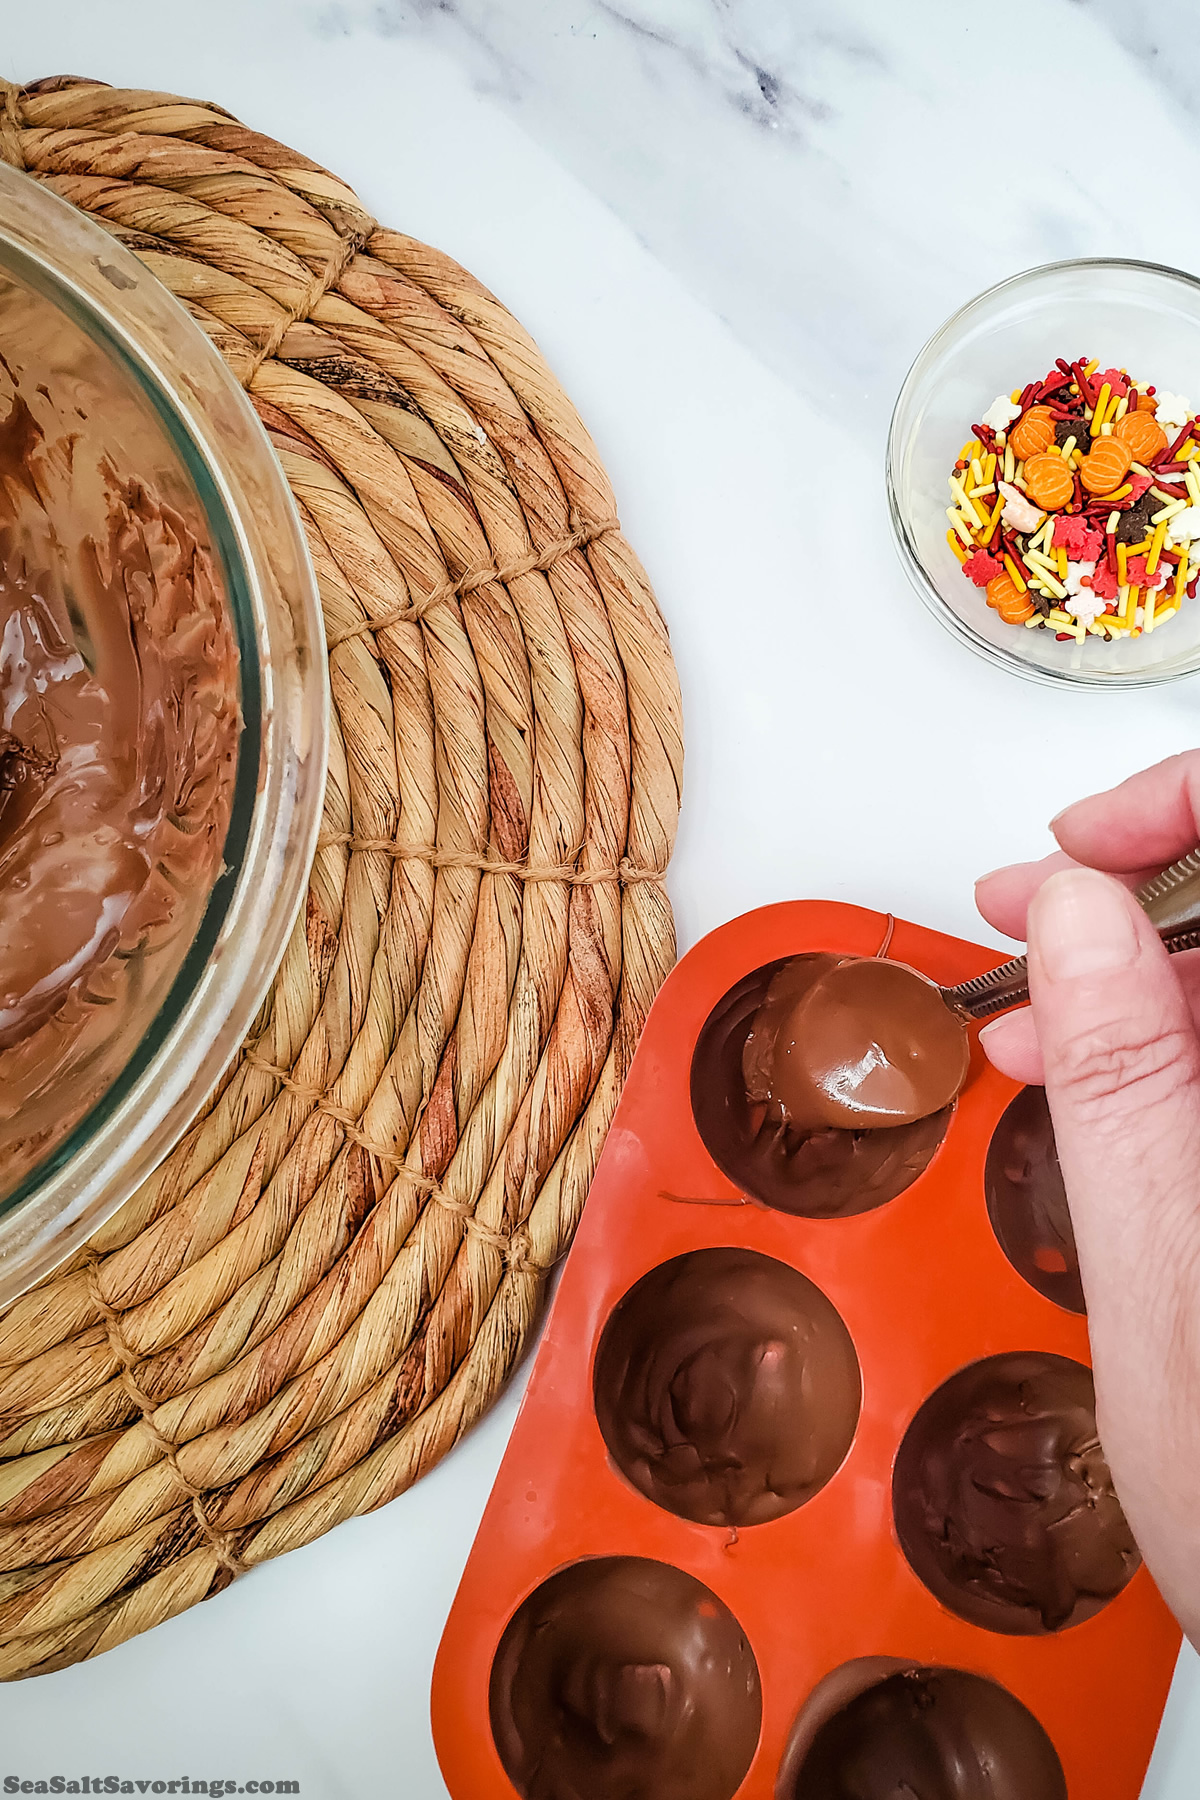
731 224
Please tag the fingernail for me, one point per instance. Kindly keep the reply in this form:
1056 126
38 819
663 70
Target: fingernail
1007 1039
1080 924
996 1030
980 879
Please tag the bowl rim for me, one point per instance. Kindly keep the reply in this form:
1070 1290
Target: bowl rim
910 560
203 1019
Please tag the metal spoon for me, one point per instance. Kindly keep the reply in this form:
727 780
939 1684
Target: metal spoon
1171 901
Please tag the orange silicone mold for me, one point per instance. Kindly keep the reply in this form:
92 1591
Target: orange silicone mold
924 1288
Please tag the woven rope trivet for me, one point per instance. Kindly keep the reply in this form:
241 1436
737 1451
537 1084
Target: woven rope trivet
333 1274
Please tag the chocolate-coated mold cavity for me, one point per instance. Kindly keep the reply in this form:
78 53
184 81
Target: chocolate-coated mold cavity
1027 1202
877 1729
1003 1502
727 1387
831 1174
625 1679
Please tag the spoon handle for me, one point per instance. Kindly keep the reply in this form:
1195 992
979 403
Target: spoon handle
1171 901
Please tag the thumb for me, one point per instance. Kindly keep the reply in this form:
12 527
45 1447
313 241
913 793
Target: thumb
1122 1067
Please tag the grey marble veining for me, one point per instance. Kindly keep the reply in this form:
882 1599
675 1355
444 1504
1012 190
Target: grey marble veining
1160 35
823 176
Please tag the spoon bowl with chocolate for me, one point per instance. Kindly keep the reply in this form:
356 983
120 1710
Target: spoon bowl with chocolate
162 723
822 1084
842 1043
853 1043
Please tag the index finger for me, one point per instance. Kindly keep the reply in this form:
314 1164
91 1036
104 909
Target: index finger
1003 896
1143 823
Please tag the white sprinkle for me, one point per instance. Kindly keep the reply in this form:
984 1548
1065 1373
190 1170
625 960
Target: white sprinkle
1000 413
1184 526
1073 584
1172 410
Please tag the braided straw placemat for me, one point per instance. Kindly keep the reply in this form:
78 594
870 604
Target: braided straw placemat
334 1273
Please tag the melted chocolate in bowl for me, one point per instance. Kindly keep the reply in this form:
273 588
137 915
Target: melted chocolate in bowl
1003 1502
727 1388
926 1734
825 1174
119 727
1027 1202
624 1679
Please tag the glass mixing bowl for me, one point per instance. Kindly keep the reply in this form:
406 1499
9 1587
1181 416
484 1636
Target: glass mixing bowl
126 387
1129 315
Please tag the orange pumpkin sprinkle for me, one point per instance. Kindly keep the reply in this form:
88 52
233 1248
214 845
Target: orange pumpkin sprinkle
1003 591
1017 610
1106 465
1048 481
1143 434
1032 432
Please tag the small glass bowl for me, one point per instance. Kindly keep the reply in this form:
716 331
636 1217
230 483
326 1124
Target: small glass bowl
96 341
1129 315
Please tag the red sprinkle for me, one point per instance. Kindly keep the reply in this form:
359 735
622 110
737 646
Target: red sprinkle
1104 582
1085 387
1135 568
982 568
1077 538
1095 514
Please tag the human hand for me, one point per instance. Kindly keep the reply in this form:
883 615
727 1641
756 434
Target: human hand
1112 1031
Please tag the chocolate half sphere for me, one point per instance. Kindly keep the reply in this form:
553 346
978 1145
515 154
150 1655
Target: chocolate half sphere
625 1679
727 1387
1003 1502
827 1174
1027 1202
929 1734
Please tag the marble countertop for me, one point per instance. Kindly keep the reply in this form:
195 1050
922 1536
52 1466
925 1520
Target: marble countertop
730 224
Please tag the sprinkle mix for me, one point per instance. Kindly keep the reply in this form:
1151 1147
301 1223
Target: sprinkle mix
1076 505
